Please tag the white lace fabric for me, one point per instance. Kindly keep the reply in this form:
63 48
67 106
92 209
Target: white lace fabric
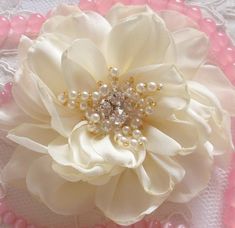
206 209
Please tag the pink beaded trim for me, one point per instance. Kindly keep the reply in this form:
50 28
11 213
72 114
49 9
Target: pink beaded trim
222 52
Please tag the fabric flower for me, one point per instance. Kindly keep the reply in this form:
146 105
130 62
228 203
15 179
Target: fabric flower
119 112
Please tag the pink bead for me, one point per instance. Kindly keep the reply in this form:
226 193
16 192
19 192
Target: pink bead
221 38
35 22
230 195
154 224
227 56
4 28
140 224
9 218
177 5
229 70
18 24
20 223
167 225
103 6
31 226
229 220
125 2
139 2
111 225
8 86
207 25
87 5
5 96
193 12
3 207
181 226
158 5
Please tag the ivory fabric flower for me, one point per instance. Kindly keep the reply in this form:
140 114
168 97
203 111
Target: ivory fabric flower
119 112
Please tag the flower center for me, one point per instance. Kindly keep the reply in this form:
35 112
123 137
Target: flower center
117 108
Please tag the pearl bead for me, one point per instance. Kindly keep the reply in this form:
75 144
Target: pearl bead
126 130
84 95
72 104
113 71
104 90
62 98
152 86
95 117
118 137
95 96
136 133
142 140
134 143
83 106
124 141
73 95
140 87
159 86
149 110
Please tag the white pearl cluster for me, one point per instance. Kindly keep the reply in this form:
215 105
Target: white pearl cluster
117 108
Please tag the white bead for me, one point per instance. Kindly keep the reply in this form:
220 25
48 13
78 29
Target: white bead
136 133
95 96
84 95
95 117
159 86
71 104
140 87
142 140
152 86
149 110
73 95
62 98
126 130
124 141
113 71
83 106
104 90
118 137
134 143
